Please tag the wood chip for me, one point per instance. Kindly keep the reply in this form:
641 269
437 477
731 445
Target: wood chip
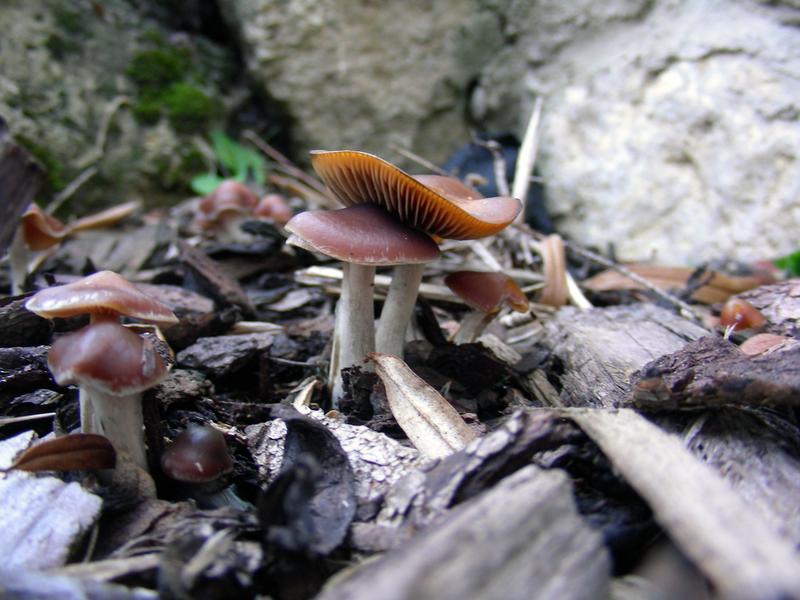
430 422
728 541
521 540
76 451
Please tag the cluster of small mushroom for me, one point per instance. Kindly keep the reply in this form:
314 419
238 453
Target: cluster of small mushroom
232 201
110 364
391 219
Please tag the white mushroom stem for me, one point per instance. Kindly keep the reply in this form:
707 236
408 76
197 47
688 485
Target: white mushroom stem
472 326
355 327
120 419
397 309
18 257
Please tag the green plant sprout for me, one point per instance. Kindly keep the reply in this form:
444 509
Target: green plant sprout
234 160
789 263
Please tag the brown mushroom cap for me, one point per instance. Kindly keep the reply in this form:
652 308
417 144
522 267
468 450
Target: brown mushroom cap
363 235
108 357
197 455
229 196
440 206
487 292
40 230
103 292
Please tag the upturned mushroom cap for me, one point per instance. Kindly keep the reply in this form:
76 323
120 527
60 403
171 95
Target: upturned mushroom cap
487 292
107 357
440 206
40 230
104 292
363 235
197 455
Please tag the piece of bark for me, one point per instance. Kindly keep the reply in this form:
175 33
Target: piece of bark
712 371
43 520
780 304
602 347
20 178
224 355
730 543
212 279
523 539
21 327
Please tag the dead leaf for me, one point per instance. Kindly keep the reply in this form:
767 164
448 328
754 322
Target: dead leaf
430 422
554 257
76 451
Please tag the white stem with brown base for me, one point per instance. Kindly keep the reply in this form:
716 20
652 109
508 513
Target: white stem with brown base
472 326
397 309
354 332
120 419
18 257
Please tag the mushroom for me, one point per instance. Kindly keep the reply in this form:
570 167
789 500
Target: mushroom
441 207
486 293
738 314
362 237
224 208
275 208
37 231
109 363
199 456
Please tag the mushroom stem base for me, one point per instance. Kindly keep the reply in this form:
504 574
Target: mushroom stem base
354 332
18 257
472 326
120 419
397 309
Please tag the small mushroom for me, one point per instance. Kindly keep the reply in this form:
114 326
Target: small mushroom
441 207
224 209
37 231
109 363
486 294
738 314
362 237
275 208
199 456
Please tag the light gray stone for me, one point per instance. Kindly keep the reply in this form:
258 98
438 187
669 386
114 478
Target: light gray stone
671 128
365 75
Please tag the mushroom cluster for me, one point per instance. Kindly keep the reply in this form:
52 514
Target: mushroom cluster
110 364
391 218
224 209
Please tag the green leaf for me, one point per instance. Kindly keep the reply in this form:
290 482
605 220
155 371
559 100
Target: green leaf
205 184
241 162
789 263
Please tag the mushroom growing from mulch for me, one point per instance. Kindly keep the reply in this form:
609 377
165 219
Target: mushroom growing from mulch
441 207
110 364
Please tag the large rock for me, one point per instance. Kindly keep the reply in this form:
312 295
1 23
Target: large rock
671 128
361 74
72 70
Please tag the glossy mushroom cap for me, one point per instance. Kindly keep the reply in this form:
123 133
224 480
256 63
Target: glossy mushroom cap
198 455
104 292
487 292
740 314
107 357
39 230
440 206
363 235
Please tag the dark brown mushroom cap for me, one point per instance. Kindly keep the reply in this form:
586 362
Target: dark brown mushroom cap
107 357
440 206
487 292
363 235
197 455
103 292
40 230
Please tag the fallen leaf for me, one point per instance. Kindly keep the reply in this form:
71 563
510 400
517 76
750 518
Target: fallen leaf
554 257
430 422
77 451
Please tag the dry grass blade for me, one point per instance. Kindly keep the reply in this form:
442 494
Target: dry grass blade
430 422
77 451
555 291
105 218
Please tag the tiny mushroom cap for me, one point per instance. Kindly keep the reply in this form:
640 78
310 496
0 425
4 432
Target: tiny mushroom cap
740 314
107 357
197 455
41 231
275 207
439 206
364 235
487 292
105 292
229 196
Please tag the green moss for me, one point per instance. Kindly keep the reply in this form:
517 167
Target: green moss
188 107
155 69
